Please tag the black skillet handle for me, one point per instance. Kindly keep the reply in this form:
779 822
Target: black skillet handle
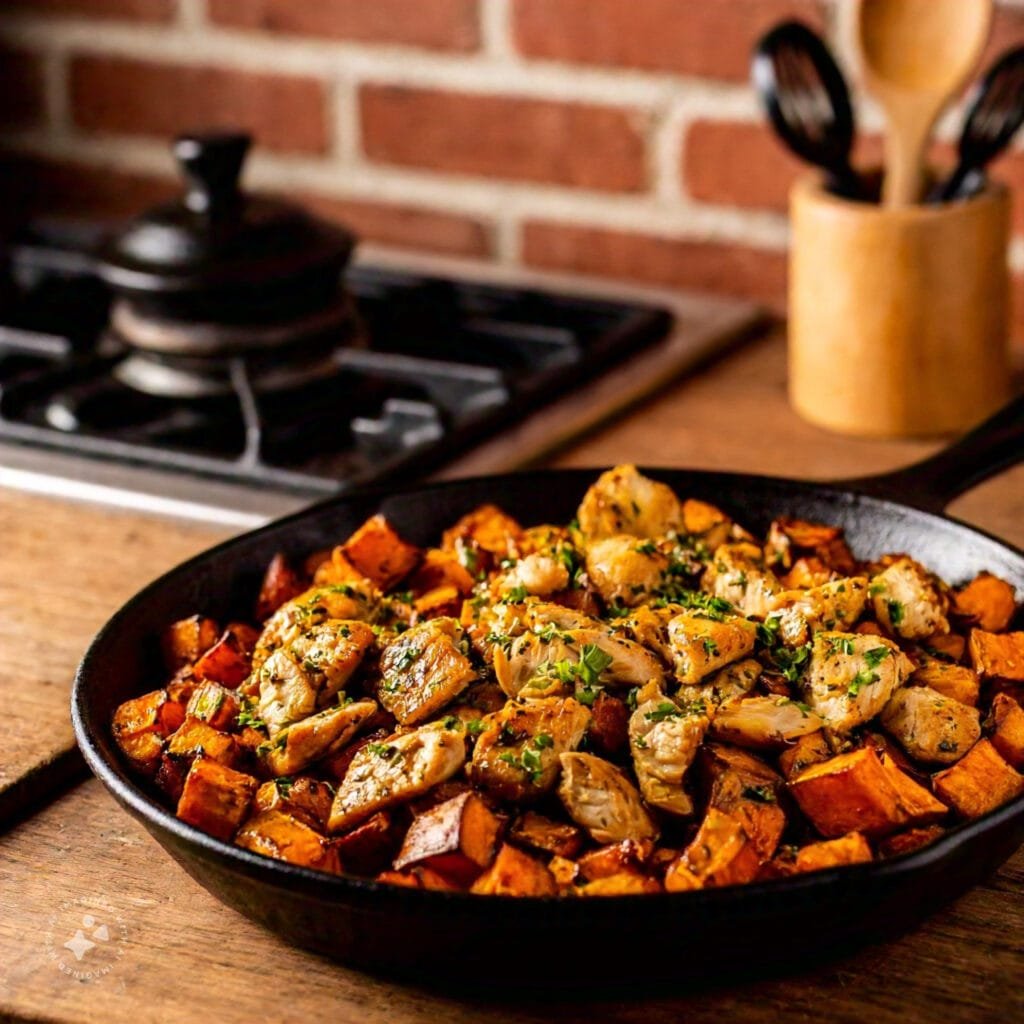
995 445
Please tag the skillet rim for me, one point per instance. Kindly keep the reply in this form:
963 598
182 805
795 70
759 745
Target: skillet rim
334 888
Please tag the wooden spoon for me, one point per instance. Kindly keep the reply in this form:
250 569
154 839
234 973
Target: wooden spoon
915 56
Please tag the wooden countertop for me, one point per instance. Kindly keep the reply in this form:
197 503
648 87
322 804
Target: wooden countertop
173 953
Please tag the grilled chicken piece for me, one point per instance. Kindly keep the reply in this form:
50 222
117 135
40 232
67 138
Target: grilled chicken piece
663 739
295 681
423 670
835 605
316 736
398 769
649 626
625 571
622 500
851 677
930 727
516 756
735 680
540 573
737 574
358 600
764 722
548 663
906 601
602 800
701 645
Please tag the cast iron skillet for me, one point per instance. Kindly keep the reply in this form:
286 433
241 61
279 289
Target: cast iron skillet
517 942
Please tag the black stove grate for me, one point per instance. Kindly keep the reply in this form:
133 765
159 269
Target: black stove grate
445 364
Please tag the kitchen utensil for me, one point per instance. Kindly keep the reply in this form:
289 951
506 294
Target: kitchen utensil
221 255
569 943
898 315
807 101
995 110
915 55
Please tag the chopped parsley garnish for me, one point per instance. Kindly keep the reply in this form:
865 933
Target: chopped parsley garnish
710 647
710 607
384 750
542 740
875 589
666 709
896 611
515 596
860 680
760 794
247 716
839 645
475 726
528 761
876 656
646 547
407 657
284 784
451 722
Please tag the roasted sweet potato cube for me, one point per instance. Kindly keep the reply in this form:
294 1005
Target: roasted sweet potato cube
303 797
418 878
280 584
555 837
215 705
997 655
807 572
1007 718
458 838
141 724
486 529
186 640
440 601
275 833
515 873
979 782
379 553
628 882
743 786
337 570
372 845
958 682
848 849
805 534
862 791
721 854
608 732
907 842
216 798
986 602
944 645
226 662
195 737
625 855
805 751
565 871
440 569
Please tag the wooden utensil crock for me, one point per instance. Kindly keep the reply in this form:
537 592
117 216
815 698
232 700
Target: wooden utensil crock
897 315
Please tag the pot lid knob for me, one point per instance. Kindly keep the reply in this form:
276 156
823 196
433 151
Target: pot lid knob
212 165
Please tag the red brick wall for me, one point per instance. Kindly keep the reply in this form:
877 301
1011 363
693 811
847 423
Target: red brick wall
616 137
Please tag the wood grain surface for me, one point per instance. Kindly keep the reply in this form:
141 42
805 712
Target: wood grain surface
64 568
182 957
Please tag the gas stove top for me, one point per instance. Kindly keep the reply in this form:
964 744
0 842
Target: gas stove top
436 366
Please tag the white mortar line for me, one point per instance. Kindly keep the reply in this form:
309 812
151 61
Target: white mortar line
496 29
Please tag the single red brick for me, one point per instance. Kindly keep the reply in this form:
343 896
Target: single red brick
436 25
711 38
738 164
504 137
405 227
35 185
719 267
121 95
22 89
134 10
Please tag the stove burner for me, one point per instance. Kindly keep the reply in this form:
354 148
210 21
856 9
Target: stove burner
180 338
403 374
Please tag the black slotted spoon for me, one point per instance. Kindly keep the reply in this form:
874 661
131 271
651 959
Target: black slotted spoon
807 101
995 111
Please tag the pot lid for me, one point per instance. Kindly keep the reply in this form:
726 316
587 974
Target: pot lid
217 236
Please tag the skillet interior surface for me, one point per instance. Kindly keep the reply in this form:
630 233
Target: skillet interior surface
434 936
